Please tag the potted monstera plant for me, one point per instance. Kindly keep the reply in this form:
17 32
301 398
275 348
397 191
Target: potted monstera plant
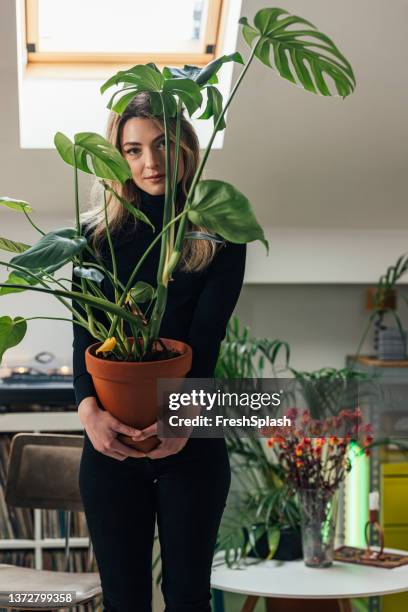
299 53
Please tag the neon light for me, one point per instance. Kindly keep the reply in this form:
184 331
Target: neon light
356 498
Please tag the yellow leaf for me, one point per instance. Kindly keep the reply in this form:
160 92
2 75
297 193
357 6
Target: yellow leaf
107 346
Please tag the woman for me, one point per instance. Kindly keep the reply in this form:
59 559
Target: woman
183 483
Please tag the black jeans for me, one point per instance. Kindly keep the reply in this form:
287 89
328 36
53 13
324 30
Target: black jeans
187 493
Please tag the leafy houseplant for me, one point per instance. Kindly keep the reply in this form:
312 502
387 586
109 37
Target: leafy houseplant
243 356
265 511
382 300
261 515
326 390
299 53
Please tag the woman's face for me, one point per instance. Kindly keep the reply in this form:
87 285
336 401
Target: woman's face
144 150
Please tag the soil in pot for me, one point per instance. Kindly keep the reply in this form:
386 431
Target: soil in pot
155 354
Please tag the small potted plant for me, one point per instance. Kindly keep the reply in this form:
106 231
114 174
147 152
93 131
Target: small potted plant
382 301
299 53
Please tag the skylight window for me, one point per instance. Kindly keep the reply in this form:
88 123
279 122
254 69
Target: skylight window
67 49
123 30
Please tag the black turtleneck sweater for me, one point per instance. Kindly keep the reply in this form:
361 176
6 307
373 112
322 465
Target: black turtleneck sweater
199 304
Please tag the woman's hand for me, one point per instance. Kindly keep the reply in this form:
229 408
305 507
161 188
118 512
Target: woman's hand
167 446
102 429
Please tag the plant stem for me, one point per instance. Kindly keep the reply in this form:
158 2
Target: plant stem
176 168
121 333
137 267
112 251
197 176
92 327
104 305
167 253
103 267
32 223
39 279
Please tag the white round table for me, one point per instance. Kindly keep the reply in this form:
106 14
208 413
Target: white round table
287 581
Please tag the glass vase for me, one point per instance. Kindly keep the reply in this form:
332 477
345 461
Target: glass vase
318 514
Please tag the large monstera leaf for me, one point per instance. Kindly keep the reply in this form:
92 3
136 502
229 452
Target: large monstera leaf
226 211
183 83
142 77
137 79
298 51
162 90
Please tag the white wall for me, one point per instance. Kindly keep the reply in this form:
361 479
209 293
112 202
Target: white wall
321 323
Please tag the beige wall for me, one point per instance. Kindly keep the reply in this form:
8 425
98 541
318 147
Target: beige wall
307 163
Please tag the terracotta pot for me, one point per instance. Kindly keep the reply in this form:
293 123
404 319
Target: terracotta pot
128 389
385 300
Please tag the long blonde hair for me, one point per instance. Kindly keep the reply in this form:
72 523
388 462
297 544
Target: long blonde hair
197 253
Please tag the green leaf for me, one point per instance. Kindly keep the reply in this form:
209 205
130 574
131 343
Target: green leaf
14 247
156 107
94 155
16 279
101 304
206 73
303 56
142 292
119 92
273 541
265 19
222 209
90 273
121 105
202 76
213 107
139 78
249 33
136 212
143 77
189 72
187 90
18 205
12 331
52 251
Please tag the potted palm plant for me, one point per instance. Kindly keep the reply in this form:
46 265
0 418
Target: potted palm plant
299 53
262 518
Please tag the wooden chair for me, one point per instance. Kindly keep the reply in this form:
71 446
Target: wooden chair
43 473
